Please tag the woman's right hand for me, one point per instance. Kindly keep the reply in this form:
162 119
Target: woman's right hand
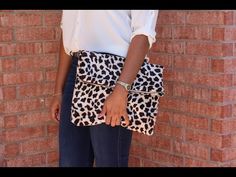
56 107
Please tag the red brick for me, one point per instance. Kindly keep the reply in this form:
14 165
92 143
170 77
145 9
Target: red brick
52 18
52 129
168 86
191 92
191 63
189 122
226 34
22 105
163 157
28 48
189 162
223 126
35 63
11 150
9 93
38 145
2 136
51 47
1 107
1 94
234 110
223 65
1 122
148 163
8 65
10 122
168 47
1 150
230 34
228 141
164 116
134 161
161 59
229 17
29 34
191 150
205 18
6 20
171 17
7 49
6 10
163 32
30 119
229 164
200 79
223 155
140 151
1 69
169 131
52 157
218 33
209 49
34 90
223 95
199 109
23 133
191 32
1 80
204 138
27 19
23 77
51 75
6 35
27 161
154 141
233 140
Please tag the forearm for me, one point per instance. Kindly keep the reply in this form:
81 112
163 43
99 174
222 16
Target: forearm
135 57
63 68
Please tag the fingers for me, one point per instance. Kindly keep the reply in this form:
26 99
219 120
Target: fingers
126 117
104 110
108 119
55 112
115 119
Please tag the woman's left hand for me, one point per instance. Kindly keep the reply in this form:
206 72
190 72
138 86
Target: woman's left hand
115 107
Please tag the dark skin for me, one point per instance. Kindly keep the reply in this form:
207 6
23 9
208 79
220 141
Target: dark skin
115 104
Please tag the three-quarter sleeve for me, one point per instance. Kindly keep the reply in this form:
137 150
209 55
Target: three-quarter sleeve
144 22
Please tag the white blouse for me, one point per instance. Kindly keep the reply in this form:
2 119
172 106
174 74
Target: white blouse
109 31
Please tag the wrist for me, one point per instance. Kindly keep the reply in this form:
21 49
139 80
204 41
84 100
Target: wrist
120 89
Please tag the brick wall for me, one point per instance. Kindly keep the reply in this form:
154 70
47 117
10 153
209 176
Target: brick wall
197 117
197 120
29 43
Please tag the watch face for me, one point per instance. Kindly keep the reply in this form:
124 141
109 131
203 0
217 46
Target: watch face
128 87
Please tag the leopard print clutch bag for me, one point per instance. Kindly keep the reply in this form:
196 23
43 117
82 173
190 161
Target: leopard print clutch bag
96 76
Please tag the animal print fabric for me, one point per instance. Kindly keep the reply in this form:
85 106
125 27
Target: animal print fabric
96 76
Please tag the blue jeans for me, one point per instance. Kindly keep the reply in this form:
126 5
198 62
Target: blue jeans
79 146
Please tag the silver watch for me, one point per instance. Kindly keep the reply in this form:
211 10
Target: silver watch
125 85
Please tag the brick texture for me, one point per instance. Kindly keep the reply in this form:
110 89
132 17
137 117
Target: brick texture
196 124
29 46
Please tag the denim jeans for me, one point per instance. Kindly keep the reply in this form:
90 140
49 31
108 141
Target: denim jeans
79 146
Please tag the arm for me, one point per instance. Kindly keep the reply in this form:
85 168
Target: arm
115 105
143 23
63 69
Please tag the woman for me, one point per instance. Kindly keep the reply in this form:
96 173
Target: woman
127 33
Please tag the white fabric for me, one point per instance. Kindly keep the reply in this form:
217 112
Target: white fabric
108 31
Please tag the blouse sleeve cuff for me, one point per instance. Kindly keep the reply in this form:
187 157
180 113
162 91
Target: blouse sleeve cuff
150 35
